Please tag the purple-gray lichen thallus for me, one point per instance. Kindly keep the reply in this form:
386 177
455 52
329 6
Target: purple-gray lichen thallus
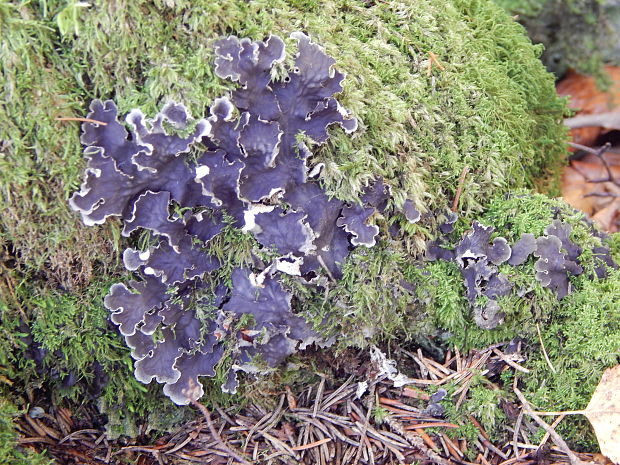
252 172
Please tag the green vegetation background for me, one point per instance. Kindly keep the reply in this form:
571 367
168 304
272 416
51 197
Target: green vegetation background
491 107
577 34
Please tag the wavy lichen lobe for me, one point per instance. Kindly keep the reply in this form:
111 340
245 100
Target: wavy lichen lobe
252 173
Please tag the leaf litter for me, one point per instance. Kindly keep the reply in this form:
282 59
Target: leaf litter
336 422
591 182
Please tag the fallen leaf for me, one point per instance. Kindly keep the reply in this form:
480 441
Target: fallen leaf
606 217
600 459
603 412
586 97
598 200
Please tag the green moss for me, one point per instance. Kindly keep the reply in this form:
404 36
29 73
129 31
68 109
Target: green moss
582 339
580 333
70 332
483 403
10 452
614 245
442 288
523 7
372 303
458 416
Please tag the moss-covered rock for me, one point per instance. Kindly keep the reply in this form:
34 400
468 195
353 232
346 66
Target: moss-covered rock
436 85
491 107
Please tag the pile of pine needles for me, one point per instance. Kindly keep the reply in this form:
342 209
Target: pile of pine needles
359 421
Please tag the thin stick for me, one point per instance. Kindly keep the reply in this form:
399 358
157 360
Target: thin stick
567 412
216 436
574 460
479 426
324 266
84 120
599 154
585 148
459 189
515 437
432 424
600 194
433 59
542 344
416 441
363 432
609 120
506 360
555 423
319 397
426 438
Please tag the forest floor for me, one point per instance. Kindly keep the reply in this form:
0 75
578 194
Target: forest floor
376 416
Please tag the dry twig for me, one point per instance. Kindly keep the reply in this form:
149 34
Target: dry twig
84 120
574 460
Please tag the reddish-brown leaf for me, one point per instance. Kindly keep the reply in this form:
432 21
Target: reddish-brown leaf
588 99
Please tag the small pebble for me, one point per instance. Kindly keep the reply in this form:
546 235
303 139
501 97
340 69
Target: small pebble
36 412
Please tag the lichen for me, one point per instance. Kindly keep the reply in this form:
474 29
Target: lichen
579 331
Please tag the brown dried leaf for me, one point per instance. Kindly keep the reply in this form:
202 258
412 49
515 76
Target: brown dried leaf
586 97
603 412
598 200
606 217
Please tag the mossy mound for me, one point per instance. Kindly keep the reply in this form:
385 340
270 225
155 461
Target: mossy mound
580 332
491 108
436 86
442 288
